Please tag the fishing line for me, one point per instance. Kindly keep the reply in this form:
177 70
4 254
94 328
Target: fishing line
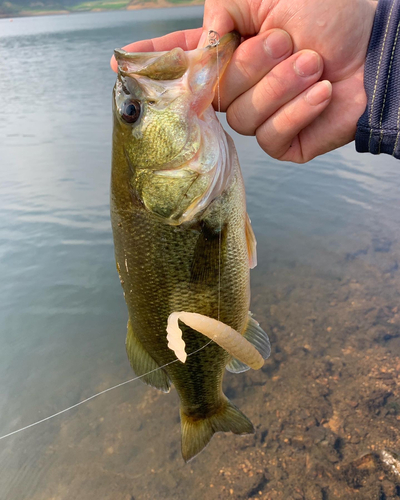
97 394
213 38
214 42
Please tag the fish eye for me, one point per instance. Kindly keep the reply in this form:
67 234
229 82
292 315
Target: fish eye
130 111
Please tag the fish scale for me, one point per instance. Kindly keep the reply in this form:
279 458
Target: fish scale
181 230
160 258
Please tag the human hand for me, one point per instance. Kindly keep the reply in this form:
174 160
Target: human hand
266 57
289 129
266 93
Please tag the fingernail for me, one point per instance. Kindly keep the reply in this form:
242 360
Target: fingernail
319 93
278 43
307 64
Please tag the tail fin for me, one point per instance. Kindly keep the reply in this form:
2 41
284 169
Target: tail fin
196 434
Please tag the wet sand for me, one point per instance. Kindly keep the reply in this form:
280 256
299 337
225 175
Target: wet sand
326 405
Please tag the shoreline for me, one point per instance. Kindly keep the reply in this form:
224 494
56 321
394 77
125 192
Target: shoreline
163 4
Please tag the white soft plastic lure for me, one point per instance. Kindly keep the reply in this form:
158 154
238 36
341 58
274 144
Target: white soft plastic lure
225 336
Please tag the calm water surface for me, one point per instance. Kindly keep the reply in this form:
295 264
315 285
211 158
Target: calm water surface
327 289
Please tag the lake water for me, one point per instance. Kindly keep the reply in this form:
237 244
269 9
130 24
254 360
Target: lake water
326 405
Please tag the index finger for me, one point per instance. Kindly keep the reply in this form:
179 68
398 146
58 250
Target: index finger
187 40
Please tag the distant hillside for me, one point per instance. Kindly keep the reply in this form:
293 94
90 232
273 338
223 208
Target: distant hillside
16 8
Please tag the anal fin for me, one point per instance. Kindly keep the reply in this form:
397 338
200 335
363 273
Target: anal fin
256 336
143 364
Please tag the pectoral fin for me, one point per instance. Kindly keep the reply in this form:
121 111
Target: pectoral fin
251 243
223 335
143 364
256 336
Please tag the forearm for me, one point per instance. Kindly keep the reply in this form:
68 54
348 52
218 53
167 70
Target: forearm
378 129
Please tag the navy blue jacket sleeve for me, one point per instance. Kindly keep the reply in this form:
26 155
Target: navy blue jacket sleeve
378 129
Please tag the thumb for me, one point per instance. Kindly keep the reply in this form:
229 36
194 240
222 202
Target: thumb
224 16
217 17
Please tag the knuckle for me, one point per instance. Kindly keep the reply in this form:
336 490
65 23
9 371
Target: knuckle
236 118
295 153
299 160
266 141
274 88
288 118
281 147
244 68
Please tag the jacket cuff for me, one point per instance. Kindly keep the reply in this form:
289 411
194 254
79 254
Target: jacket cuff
378 129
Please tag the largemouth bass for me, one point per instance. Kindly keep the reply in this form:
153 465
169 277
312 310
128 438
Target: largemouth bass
183 240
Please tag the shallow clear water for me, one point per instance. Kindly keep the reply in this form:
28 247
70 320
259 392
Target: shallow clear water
327 289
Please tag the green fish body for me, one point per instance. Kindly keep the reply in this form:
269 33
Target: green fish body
183 241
